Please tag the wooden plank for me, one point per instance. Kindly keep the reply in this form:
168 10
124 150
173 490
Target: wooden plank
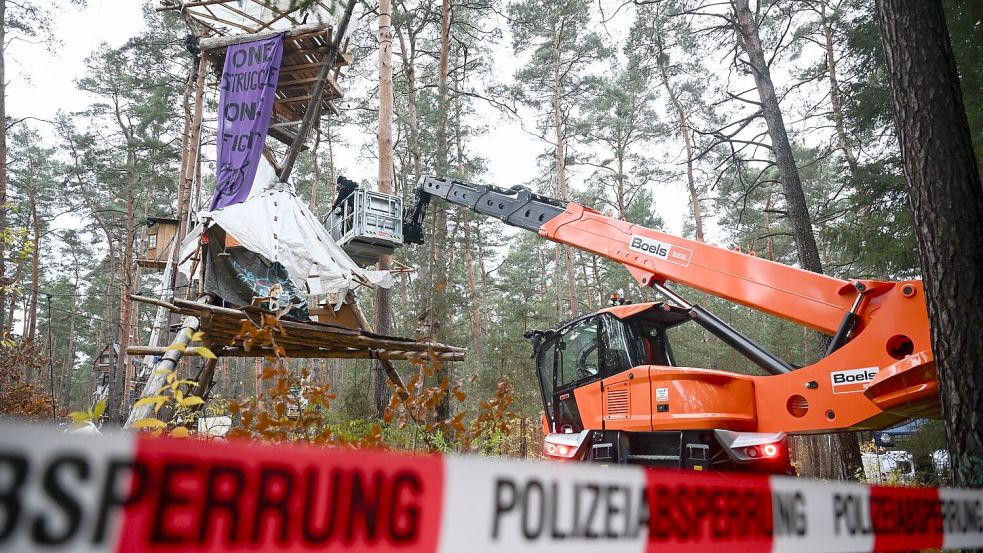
332 94
213 43
295 82
343 59
199 15
317 53
311 113
308 353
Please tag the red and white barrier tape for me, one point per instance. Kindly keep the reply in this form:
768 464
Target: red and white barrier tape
138 494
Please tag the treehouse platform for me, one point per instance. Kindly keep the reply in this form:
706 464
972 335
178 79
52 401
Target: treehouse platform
233 333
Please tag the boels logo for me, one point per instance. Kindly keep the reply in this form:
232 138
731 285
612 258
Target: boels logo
661 250
853 380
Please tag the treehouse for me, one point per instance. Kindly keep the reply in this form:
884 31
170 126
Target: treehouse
158 238
262 263
308 34
102 366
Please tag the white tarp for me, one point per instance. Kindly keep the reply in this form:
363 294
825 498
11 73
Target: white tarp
274 223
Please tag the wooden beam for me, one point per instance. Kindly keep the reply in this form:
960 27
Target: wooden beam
310 353
312 108
199 15
343 59
153 301
305 52
335 92
214 43
282 83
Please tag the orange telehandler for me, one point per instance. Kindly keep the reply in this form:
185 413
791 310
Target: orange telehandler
612 392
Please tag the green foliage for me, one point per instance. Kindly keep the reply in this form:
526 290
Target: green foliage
965 21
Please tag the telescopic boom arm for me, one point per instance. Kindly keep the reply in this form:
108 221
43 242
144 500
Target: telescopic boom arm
653 257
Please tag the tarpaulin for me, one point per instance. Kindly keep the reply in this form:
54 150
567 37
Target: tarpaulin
277 225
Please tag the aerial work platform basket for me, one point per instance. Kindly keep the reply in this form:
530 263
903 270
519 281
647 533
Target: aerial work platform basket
367 225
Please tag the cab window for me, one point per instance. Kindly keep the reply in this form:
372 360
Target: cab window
545 365
654 345
615 348
579 355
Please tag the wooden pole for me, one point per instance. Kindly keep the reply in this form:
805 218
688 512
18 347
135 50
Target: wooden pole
189 164
205 378
312 106
219 42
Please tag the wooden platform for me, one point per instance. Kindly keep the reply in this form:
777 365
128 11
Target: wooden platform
304 51
218 23
222 327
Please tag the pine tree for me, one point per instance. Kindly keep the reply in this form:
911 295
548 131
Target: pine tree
554 82
947 200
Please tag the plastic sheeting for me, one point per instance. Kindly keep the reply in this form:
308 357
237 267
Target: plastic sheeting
274 223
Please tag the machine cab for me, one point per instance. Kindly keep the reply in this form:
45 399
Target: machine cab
597 346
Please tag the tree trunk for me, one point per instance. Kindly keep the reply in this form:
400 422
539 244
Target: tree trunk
439 313
596 269
834 91
190 167
684 132
383 296
561 172
4 284
119 391
473 298
440 130
795 201
798 212
409 73
68 365
482 272
31 317
947 202
12 299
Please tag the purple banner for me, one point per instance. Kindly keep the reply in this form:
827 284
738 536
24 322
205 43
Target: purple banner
245 106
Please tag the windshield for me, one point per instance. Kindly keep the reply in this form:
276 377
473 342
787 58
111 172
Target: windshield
544 368
578 354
